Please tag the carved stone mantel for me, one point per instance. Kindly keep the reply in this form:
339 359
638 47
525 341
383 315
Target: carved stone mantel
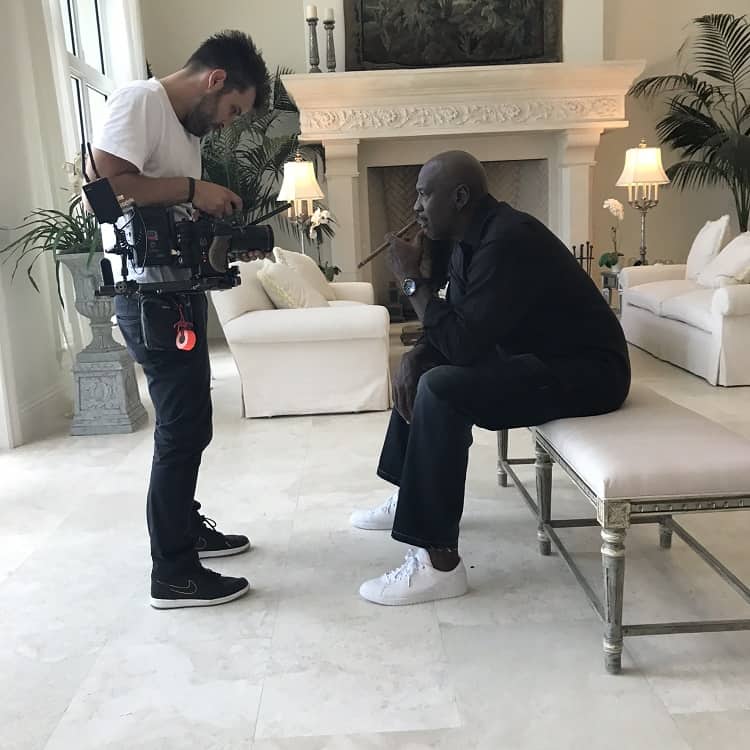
565 106
431 101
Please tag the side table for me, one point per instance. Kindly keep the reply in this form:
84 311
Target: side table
610 286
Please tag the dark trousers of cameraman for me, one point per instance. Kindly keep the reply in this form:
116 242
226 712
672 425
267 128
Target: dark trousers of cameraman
180 386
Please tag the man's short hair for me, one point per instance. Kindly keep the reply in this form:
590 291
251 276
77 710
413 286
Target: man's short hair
234 52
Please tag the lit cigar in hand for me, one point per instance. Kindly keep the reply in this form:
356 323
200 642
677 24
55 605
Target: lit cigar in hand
401 232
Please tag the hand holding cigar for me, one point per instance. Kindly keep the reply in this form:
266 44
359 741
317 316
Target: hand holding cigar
401 232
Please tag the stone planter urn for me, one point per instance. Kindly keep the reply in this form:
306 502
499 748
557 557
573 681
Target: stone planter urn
105 386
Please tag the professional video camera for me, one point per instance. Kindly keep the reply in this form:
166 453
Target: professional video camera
146 237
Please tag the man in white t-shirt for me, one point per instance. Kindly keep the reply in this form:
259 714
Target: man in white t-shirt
149 148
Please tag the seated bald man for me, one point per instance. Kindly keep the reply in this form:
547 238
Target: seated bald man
523 337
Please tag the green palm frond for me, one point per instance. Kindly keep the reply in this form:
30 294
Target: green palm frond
249 156
708 113
694 174
722 48
686 129
685 83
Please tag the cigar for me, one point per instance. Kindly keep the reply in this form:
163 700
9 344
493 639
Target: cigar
401 232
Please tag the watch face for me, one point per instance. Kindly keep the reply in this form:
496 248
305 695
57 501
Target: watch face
410 287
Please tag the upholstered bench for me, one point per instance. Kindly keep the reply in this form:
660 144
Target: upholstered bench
645 463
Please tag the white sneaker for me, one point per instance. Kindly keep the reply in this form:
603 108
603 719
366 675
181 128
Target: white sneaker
416 581
376 519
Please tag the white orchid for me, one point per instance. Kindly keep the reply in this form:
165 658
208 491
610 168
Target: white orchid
318 218
615 208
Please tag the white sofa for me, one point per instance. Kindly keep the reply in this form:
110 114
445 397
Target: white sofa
704 330
317 360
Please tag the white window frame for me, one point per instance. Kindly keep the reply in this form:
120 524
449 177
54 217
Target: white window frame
124 60
87 75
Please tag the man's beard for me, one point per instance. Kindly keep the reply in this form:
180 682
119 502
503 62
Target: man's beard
201 120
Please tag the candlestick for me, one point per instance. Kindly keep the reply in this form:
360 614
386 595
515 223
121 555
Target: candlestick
312 24
330 48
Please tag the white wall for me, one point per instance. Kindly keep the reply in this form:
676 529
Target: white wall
633 29
173 29
34 377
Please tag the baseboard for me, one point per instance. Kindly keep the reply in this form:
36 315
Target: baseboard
46 414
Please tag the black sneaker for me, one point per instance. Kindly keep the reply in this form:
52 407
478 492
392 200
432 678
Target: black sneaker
204 588
212 543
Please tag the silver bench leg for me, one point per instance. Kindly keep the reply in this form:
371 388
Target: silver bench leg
502 455
613 563
543 467
665 535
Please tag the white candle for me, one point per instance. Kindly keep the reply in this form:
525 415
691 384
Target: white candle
311 11
329 14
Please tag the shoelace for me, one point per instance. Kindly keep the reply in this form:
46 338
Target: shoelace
409 567
390 505
209 522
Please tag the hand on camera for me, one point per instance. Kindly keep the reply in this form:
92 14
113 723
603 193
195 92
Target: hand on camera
215 199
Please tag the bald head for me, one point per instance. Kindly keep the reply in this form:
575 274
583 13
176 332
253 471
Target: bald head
448 188
455 168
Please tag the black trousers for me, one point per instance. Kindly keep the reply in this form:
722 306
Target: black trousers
180 387
427 459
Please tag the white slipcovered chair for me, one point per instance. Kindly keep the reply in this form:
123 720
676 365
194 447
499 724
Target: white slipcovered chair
319 360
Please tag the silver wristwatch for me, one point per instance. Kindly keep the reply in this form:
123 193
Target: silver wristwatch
410 285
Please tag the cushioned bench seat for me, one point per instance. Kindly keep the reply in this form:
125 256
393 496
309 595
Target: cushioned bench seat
648 461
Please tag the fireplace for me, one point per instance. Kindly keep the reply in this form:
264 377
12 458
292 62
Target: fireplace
550 115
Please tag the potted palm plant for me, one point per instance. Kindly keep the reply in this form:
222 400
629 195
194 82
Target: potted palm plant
708 109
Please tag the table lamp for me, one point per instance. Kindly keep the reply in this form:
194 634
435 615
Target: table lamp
642 175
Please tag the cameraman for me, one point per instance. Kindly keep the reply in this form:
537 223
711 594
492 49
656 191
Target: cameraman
149 148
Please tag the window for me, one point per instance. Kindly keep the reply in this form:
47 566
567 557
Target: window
88 63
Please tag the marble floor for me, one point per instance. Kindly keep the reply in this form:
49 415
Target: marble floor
302 663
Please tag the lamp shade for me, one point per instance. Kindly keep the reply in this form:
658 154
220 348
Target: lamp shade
642 167
299 182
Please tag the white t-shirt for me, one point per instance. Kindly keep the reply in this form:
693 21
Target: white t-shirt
141 127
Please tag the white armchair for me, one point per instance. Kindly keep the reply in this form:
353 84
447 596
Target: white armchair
307 361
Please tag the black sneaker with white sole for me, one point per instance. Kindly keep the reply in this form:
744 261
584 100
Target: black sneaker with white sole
204 588
212 543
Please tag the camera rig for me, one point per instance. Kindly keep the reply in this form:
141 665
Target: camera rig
148 237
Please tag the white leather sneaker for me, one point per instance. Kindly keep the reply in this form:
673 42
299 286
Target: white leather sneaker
416 581
376 519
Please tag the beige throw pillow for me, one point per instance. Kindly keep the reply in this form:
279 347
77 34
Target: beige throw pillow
287 289
731 266
246 297
307 268
706 246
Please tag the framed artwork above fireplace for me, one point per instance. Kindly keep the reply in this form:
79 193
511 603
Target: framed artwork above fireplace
383 34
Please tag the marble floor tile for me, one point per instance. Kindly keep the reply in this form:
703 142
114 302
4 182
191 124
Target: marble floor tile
531 686
715 730
443 739
329 700
161 695
302 663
